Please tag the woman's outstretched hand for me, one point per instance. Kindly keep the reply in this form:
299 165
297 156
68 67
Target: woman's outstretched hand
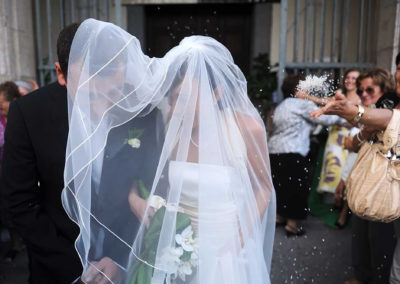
339 106
302 94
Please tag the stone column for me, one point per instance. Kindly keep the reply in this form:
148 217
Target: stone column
17 49
386 48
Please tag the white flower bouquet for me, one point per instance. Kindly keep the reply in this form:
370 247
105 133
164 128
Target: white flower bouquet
179 259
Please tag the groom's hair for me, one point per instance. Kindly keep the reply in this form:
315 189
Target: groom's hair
64 43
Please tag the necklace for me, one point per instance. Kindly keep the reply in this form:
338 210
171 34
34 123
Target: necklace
191 140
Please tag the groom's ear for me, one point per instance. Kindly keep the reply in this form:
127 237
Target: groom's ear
60 75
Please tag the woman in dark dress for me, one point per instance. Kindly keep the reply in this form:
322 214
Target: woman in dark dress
289 145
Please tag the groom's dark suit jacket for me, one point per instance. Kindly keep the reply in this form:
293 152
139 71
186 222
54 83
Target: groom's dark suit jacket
32 181
123 166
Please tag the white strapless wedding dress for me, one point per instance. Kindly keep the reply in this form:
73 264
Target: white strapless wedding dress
210 195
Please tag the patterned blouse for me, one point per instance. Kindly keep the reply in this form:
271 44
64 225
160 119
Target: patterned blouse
292 125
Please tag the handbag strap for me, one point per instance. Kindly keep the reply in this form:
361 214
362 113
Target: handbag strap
393 173
391 134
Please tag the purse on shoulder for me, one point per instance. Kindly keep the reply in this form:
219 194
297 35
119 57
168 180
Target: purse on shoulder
373 186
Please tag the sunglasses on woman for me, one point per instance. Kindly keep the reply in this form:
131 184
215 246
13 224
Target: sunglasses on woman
369 90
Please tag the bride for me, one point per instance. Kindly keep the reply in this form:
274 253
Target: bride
167 169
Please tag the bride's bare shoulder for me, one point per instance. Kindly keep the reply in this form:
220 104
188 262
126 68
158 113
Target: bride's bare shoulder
249 123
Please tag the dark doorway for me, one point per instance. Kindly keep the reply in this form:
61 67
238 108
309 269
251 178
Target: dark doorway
167 25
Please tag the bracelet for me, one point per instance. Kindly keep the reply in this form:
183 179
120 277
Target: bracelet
360 113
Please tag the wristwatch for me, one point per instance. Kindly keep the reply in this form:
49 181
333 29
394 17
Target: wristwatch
360 113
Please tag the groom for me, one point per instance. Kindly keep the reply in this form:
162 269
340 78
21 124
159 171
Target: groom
32 176
119 211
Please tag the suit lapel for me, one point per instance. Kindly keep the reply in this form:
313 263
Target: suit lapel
115 141
59 107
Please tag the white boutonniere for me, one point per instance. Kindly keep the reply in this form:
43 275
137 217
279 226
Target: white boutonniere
134 142
133 139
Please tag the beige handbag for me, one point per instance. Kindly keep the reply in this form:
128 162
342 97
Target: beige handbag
373 186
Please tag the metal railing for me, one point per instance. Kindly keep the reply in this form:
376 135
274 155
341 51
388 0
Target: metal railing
325 44
51 16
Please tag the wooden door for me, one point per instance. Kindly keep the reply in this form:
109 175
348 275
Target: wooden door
167 25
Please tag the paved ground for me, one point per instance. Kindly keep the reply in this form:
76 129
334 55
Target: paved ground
15 272
321 257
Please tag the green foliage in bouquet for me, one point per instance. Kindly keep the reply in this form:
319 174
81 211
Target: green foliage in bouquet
141 273
143 191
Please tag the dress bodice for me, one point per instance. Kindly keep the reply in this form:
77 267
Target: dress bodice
213 197
216 181
212 188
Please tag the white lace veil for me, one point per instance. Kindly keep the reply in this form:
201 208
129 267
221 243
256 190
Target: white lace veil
167 170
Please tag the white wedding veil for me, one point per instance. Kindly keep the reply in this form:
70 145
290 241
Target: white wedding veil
167 169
